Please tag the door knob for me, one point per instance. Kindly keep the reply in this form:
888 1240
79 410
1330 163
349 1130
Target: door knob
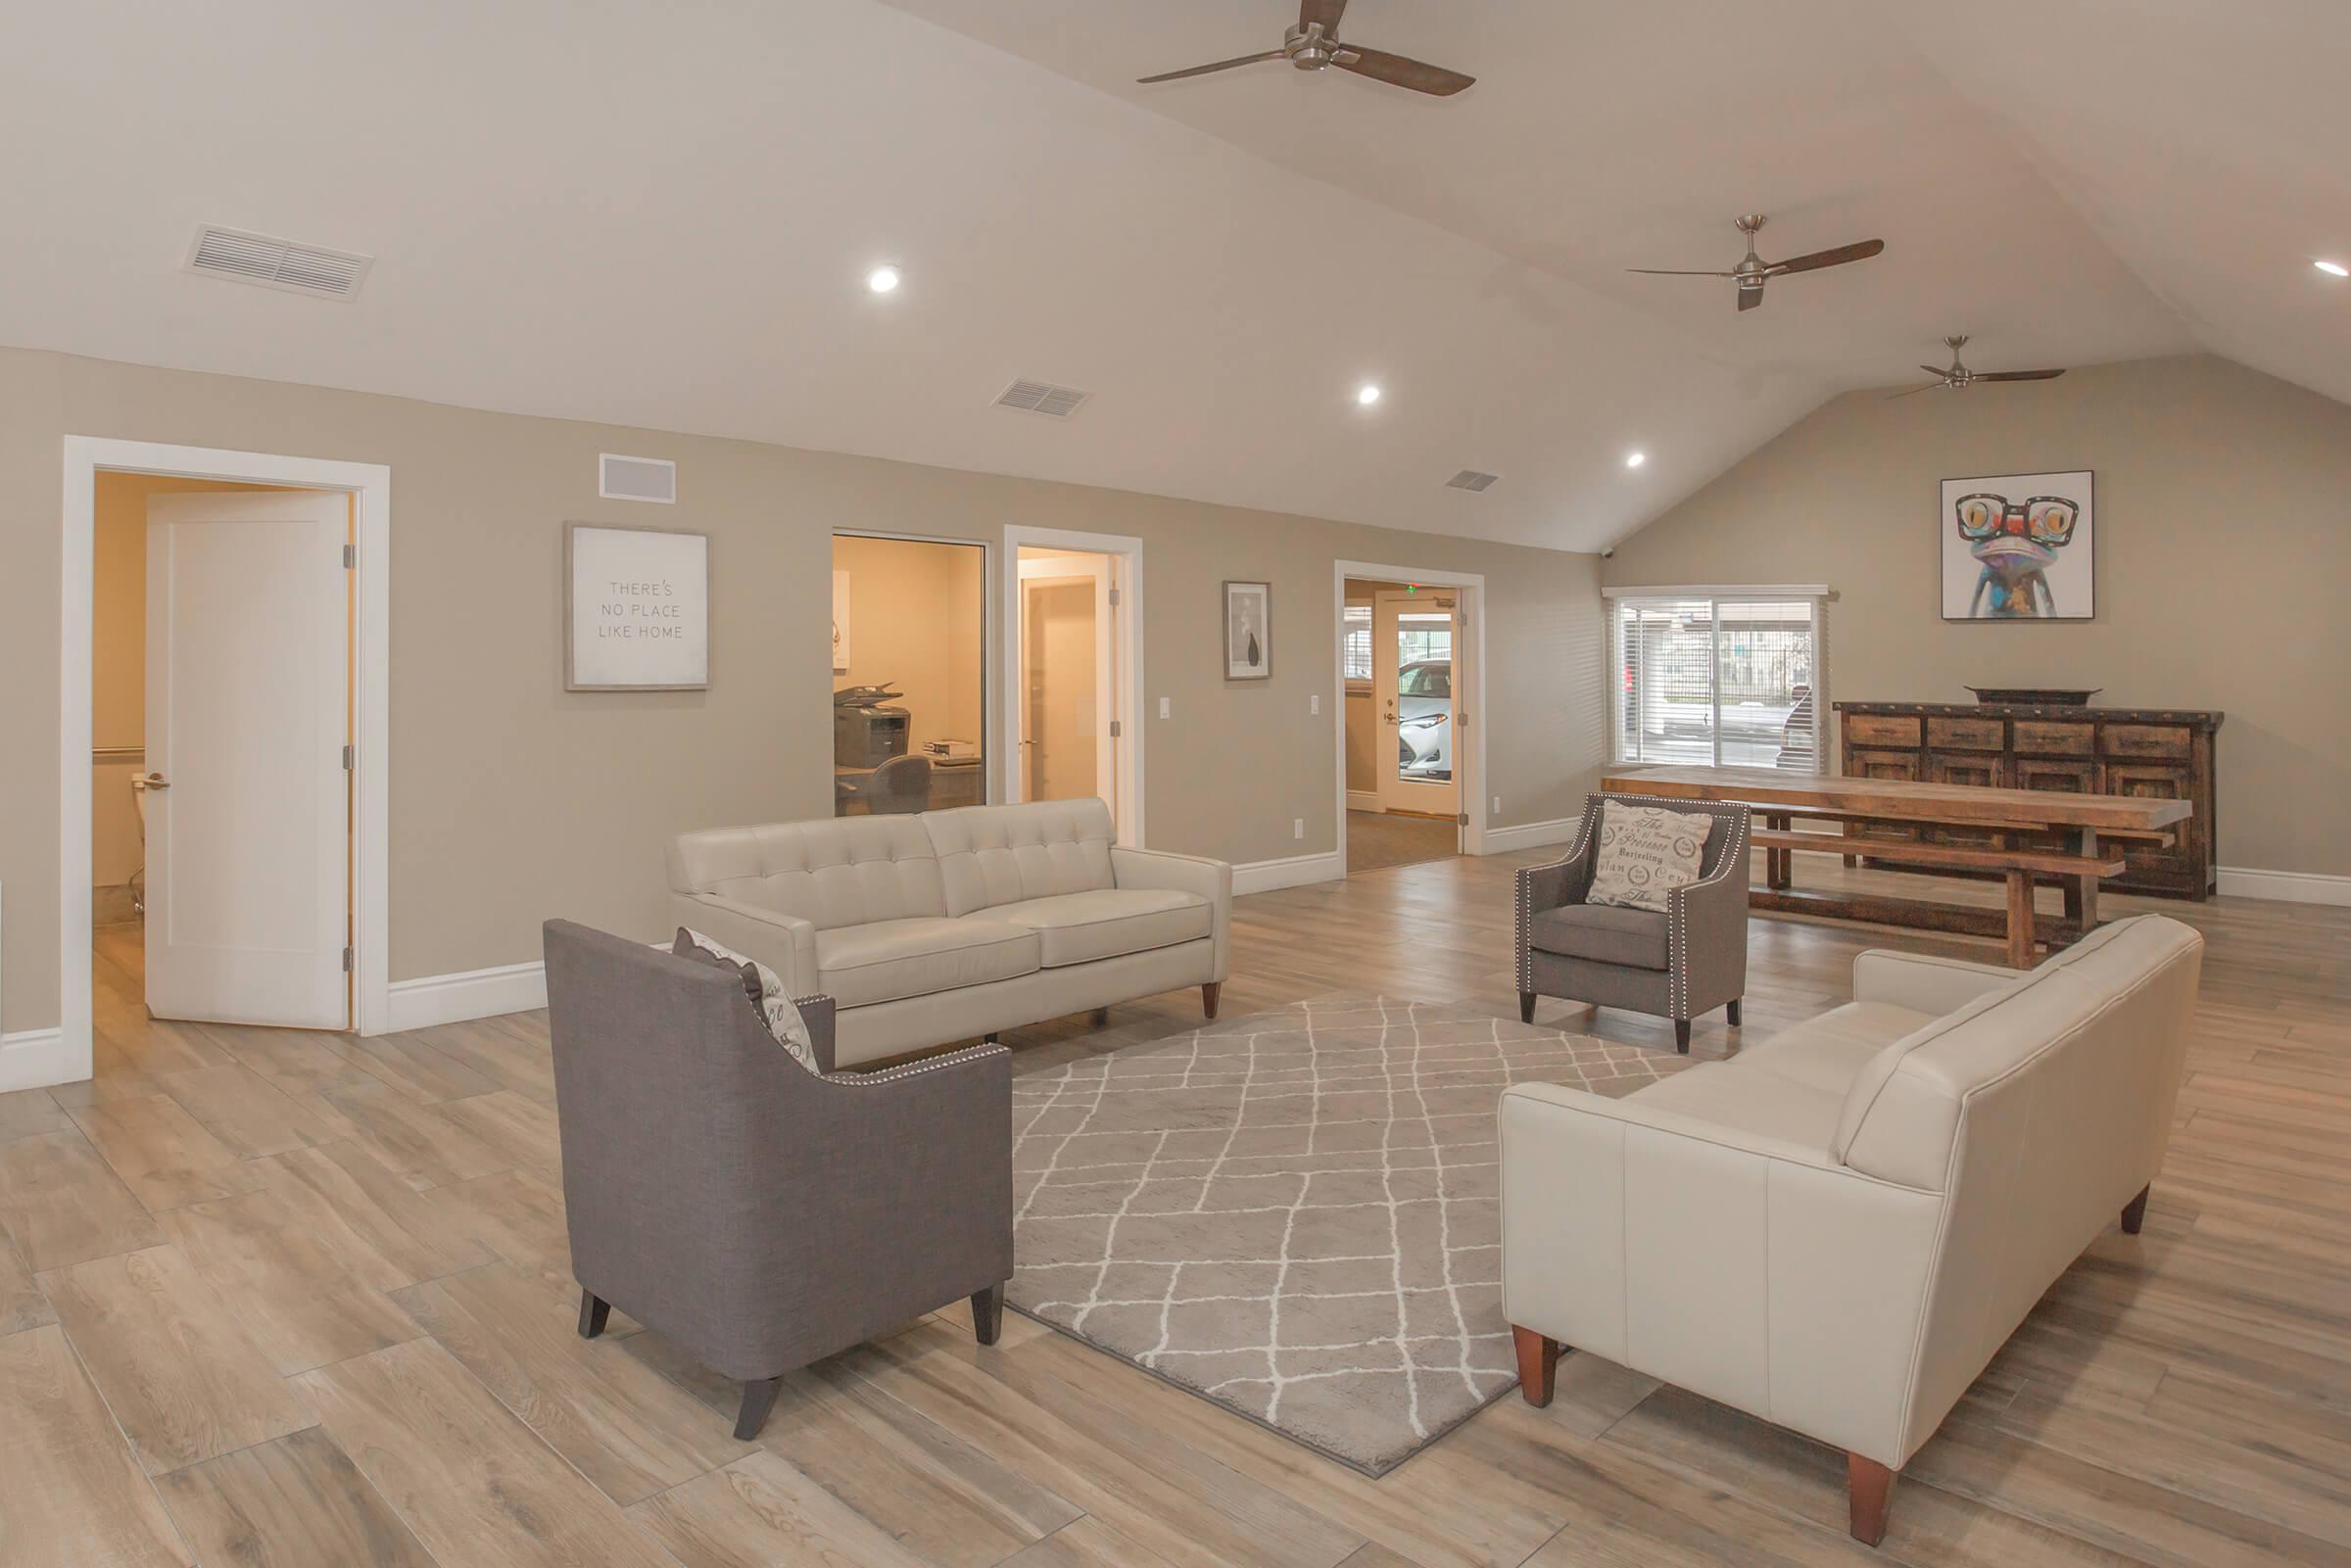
151 781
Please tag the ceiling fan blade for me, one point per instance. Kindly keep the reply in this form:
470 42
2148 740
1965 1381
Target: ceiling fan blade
1816 259
1202 71
1936 371
1749 298
1929 387
2019 375
1326 12
1678 272
1397 70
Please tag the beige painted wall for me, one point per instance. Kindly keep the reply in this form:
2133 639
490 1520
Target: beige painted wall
2224 538
915 623
119 662
512 799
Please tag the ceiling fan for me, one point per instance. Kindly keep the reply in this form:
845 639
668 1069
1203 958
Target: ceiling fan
1959 377
1314 45
1754 272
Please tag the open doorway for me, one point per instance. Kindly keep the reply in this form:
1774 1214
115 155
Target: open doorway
1405 664
1069 675
221 797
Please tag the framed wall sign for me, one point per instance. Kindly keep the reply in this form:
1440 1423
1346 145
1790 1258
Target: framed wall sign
2020 548
1248 630
636 609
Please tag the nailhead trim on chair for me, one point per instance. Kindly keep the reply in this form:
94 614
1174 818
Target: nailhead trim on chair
1526 901
1677 902
913 1069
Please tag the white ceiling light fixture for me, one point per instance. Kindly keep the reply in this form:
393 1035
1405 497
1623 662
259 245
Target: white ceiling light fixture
1634 459
881 279
1367 395
2333 269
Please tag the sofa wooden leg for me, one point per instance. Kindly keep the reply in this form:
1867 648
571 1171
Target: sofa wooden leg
1733 1009
1527 1007
1537 1360
1211 992
758 1397
1101 1018
2135 1212
1681 1036
594 1311
988 1313
1868 1489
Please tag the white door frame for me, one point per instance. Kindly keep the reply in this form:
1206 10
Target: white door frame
370 485
1469 696
1128 634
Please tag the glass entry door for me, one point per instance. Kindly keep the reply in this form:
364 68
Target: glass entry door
1415 637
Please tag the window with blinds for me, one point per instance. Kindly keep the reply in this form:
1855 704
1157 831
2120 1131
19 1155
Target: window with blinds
1356 643
1718 678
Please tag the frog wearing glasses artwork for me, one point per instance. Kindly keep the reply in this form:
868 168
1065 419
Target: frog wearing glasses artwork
2017 542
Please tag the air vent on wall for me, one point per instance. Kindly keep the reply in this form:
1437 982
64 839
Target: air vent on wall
274 264
1039 396
654 478
1471 479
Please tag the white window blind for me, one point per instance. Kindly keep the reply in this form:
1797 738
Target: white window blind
1718 678
1356 643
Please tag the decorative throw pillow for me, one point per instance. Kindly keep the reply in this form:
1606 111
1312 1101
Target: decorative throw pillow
1645 853
763 986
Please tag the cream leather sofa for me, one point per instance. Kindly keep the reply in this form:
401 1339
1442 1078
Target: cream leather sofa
946 924
1836 1230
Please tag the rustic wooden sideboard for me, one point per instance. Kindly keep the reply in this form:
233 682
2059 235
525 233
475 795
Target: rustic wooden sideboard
2155 753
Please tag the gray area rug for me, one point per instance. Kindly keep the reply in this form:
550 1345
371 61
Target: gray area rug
1293 1213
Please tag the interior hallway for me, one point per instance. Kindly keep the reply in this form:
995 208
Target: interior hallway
1377 839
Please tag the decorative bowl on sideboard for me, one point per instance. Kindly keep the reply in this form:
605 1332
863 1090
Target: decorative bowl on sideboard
2038 696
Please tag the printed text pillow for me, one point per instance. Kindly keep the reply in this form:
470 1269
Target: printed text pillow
1645 853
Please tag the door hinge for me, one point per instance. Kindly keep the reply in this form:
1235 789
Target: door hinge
1113 728
1463 818
350 556
350 759
1113 598
349 958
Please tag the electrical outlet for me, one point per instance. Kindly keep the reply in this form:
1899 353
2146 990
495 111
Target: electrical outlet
1162 707
1498 805
1297 827
1314 704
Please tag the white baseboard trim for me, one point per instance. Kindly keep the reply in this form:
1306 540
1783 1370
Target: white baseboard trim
2286 886
1363 800
1529 835
35 1058
422 1003
1295 871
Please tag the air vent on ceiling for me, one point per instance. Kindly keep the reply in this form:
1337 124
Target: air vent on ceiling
1039 396
654 478
1471 479
274 264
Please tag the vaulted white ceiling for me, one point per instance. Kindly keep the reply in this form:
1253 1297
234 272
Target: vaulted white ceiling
660 215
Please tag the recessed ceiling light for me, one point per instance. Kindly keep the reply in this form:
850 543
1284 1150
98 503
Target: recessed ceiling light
881 279
1635 459
1367 395
2334 270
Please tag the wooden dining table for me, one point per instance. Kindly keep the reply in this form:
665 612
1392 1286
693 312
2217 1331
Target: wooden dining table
2008 833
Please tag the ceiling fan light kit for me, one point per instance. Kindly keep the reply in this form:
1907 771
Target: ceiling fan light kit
1314 45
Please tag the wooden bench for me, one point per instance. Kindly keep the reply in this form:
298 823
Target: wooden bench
2017 867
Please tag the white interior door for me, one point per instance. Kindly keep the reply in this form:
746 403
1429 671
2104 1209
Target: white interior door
248 713
1068 680
1414 637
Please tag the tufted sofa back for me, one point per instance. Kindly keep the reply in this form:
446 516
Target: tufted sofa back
989 855
846 871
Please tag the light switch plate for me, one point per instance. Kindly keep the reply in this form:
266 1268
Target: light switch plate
1162 707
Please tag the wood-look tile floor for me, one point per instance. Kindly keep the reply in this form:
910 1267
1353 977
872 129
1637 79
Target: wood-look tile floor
1379 839
293 1300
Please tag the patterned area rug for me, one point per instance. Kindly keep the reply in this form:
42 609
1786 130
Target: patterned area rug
1293 1213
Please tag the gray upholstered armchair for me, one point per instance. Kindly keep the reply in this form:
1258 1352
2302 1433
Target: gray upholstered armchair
756 1215
1686 960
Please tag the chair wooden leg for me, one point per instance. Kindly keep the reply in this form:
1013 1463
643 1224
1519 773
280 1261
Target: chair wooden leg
1527 1007
1681 1036
1733 1009
1538 1361
1101 1018
758 1397
594 1311
1868 1489
1211 992
992 1038
988 1313
2135 1212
